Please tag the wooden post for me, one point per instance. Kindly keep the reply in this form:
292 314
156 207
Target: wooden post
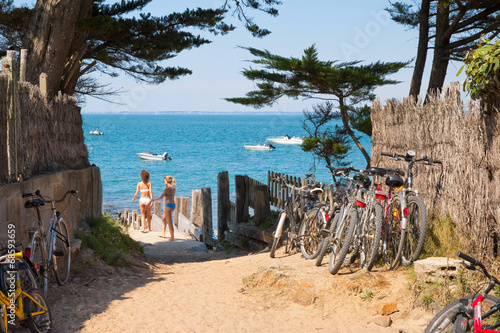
223 207
206 204
184 206
157 208
125 216
121 217
43 84
241 199
135 219
261 202
22 65
177 203
196 212
8 67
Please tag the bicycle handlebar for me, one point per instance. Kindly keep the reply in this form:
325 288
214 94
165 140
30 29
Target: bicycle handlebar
410 157
38 194
473 263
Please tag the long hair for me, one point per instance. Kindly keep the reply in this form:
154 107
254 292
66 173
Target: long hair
145 176
170 180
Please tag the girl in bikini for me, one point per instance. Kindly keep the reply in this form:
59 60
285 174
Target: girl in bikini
169 194
145 202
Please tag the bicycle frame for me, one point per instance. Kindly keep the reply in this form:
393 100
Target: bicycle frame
476 305
48 237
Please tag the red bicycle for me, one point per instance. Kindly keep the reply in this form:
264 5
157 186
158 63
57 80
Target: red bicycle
478 313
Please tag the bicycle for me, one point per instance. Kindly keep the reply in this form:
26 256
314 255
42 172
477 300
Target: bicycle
50 250
473 313
316 221
409 213
18 307
294 213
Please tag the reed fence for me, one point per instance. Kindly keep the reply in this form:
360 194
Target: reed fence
467 141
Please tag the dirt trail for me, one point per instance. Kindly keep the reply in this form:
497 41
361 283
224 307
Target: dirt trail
187 289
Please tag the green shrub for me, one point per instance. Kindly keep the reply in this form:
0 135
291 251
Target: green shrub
109 242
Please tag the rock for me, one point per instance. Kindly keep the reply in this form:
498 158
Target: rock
383 321
435 268
386 309
304 297
274 265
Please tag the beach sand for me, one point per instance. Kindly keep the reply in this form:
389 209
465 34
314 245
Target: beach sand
181 287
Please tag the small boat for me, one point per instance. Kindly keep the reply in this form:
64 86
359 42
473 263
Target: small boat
286 140
96 132
260 147
154 157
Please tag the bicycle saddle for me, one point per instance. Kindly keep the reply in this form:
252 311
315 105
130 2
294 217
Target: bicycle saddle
377 171
394 181
33 203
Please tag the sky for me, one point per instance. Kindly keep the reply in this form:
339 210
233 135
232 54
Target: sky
341 30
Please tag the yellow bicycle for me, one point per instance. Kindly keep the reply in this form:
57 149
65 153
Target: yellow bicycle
18 307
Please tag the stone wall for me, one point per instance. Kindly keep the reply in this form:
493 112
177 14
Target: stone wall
12 212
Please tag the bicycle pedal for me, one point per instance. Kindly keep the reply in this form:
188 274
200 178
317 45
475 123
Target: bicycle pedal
58 253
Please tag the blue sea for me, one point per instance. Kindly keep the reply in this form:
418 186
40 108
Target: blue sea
202 145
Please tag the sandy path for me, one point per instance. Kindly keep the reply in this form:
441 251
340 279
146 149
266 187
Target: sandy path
191 290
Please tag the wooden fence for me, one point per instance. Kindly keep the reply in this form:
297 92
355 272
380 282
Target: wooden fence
278 192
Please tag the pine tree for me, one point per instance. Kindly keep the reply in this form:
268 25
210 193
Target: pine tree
349 84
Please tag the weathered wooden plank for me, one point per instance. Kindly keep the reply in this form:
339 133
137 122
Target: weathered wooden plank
262 206
241 199
206 204
245 242
223 203
251 232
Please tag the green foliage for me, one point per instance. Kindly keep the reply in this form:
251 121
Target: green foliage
428 300
109 242
329 144
482 67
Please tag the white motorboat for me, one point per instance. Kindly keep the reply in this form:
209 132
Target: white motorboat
96 132
266 147
286 140
154 157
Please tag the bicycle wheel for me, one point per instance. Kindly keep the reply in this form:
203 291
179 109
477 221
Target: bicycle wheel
310 234
38 319
342 242
393 234
38 258
451 317
327 242
279 229
370 239
61 256
26 271
416 228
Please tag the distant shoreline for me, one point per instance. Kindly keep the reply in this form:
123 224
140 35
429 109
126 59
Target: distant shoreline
195 112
